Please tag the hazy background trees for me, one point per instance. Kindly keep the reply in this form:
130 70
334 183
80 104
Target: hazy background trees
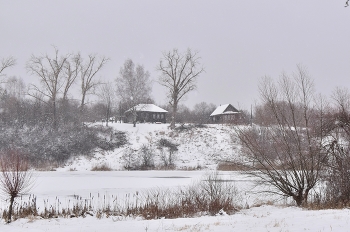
5 64
50 72
107 97
133 87
178 74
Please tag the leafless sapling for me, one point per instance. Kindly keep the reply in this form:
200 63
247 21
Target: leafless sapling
15 177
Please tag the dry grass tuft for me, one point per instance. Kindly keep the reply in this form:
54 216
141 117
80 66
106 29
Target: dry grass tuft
101 167
230 166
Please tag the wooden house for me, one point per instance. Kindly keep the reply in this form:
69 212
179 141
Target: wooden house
226 114
146 113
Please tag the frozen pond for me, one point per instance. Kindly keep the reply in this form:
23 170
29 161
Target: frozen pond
70 185
112 182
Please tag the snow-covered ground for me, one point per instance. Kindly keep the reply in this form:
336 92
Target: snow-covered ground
264 218
198 147
203 147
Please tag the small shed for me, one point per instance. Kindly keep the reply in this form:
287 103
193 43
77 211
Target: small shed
146 113
225 114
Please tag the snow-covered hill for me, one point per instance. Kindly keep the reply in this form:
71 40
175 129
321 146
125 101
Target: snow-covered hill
198 147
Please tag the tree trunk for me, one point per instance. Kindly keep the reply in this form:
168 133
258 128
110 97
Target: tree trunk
12 199
108 114
301 198
82 107
134 118
173 116
54 116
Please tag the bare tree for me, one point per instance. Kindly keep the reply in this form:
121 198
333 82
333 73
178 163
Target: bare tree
15 179
50 71
288 154
133 86
6 63
15 87
88 72
106 93
179 73
71 71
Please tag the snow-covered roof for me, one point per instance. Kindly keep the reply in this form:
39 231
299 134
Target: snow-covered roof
221 110
148 108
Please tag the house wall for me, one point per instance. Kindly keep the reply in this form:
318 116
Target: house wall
226 118
143 116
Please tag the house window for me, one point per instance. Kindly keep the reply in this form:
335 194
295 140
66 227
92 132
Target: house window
158 116
162 116
154 116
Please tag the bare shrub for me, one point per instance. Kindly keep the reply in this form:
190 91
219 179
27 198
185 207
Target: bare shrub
337 146
141 159
168 151
131 159
218 194
147 154
230 166
101 167
15 179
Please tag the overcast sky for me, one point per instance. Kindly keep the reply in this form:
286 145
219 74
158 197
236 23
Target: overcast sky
239 41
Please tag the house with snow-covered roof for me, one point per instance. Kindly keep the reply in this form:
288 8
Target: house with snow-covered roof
226 114
146 113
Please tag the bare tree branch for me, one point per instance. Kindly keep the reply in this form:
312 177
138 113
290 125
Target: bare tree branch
179 73
88 71
106 94
71 71
50 72
6 63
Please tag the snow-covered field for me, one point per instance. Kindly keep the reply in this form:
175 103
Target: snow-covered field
199 147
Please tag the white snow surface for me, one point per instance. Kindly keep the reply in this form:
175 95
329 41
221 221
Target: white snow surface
264 218
198 147
203 147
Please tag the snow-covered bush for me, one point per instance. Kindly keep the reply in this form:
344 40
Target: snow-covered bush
44 146
147 154
168 151
131 159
